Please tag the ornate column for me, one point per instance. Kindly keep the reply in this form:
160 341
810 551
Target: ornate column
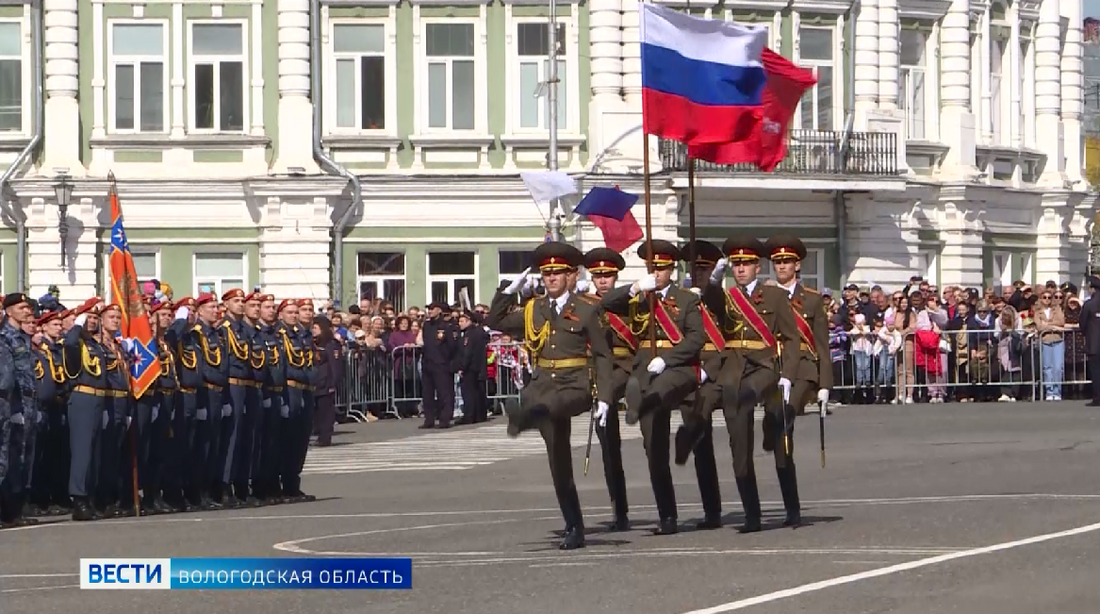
1052 241
956 117
1015 74
1048 92
961 234
62 139
887 54
866 77
1073 89
295 107
605 20
632 54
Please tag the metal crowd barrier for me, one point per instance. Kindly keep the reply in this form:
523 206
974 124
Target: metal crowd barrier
961 366
388 382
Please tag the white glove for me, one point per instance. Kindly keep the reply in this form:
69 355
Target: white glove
127 344
702 376
582 286
785 386
17 419
153 415
106 419
519 282
645 284
284 411
656 366
267 403
601 413
181 313
823 395
128 420
80 320
200 414
227 410
719 270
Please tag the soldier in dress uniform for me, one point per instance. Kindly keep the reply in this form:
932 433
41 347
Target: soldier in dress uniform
297 425
257 411
306 313
439 362
760 332
813 374
163 486
603 265
696 434
559 331
112 498
274 389
187 443
235 449
50 490
20 398
85 361
663 376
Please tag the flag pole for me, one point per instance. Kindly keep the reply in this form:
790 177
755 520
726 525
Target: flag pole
649 242
691 204
131 429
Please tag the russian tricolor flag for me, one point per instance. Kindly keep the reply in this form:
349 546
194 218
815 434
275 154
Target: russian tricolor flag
702 79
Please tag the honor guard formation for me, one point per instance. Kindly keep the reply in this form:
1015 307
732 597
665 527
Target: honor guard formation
226 424
654 346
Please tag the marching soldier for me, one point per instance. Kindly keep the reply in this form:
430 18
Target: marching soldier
662 376
603 265
235 451
759 327
696 433
21 414
297 349
186 442
274 389
50 490
559 331
812 373
85 361
116 418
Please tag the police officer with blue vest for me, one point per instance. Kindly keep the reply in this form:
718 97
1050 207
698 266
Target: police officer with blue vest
85 361
20 396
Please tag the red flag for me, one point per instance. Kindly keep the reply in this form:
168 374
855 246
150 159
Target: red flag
767 146
126 292
618 235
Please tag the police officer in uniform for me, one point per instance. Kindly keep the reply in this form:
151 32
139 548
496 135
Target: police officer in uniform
235 451
187 443
696 434
274 389
85 363
50 490
473 368
603 265
813 373
297 425
1090 328
559 331
20 397
439 362
759 328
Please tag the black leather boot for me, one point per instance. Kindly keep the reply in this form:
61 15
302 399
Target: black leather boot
750 500
788 485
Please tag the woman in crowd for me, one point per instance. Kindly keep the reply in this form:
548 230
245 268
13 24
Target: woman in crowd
1075 349
1009 353
1049 321
328 358
405 356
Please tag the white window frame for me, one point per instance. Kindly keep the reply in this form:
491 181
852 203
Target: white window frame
928 265
450 278
1027 267
25 78
193 61
906 97
136 61
834 63
1004 276
570 78
999 89
481 111
219 289
155 253
389 56
379 280
773 25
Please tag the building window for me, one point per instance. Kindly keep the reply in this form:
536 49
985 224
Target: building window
998 47
1002 269
218 273
816 54
381 275
512 263
146 265
451 75
11 77
533 70
913 92
449 273
360 71
217 77
138 78
928 265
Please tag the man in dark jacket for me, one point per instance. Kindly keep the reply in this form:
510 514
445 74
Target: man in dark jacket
328 358
438 366
473 368
1090 328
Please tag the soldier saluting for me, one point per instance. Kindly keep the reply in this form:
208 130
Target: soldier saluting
559 330
760 359
662 377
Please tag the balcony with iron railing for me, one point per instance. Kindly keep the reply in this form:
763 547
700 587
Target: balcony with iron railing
809 153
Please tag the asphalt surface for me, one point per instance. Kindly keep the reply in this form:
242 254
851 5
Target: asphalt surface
980 509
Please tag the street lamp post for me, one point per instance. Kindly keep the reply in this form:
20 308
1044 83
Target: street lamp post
63 191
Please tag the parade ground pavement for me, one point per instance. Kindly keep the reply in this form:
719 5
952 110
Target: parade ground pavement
982 509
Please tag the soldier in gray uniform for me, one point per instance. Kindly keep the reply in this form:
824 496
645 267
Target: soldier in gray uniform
84 361
20 397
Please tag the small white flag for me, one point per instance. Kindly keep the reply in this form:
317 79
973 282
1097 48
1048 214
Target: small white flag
545 186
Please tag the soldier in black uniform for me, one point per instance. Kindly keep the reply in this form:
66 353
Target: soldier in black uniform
161 485
297 347
813 375
50 490
758 325
696 434
186 449
439 362
559 331
473 368
85 361
665 375
112 501
274 389
603 265
257 410
235 451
